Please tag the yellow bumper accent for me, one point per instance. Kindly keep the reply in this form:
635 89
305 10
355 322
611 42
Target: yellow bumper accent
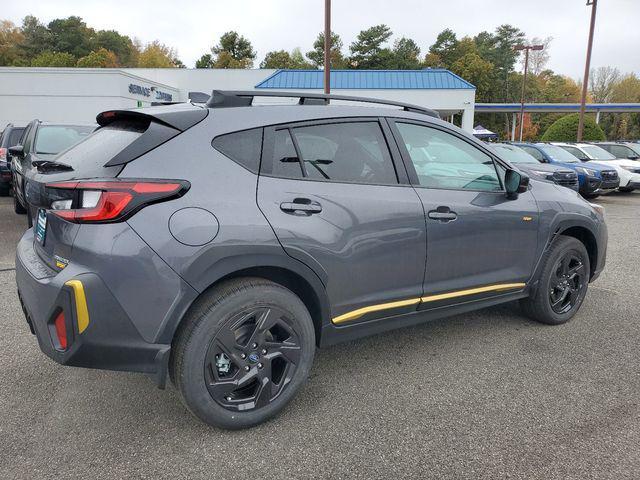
355 314
82 311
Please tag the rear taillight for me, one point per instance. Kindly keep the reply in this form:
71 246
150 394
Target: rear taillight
61 330
3 154
104 201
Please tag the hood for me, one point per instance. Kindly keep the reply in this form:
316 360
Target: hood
543 167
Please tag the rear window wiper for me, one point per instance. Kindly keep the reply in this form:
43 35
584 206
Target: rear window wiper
48 166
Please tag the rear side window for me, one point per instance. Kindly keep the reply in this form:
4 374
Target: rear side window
14 137
242 147
102 145
339 152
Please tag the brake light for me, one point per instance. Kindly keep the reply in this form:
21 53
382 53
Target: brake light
61 330
98 201
3 154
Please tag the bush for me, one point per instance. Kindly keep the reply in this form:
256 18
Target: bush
565 129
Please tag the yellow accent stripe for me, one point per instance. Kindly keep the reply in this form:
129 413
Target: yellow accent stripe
473 291
81 304
353 315
374 308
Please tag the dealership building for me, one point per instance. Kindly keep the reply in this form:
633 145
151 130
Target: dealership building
76 95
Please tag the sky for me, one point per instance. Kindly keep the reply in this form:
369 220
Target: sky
193 26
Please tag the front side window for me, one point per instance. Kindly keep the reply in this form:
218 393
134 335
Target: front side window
576 152
558 154
442 160
533 152
596 153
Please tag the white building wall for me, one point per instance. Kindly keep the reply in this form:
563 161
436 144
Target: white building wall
70 95
77 95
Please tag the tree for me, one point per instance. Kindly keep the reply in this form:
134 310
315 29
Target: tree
298 61
101 58
233 51
205 61
71 35
433 60
37 37
474 69
276 59
157 55
121 45
538 59
406 54
602 82
565 129
444 47
54 59
367 52
10 39
316 56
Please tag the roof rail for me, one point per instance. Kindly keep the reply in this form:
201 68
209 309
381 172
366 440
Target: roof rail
229 98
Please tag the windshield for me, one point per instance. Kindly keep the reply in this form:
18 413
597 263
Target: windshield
558 154
597 153
52 139
515 154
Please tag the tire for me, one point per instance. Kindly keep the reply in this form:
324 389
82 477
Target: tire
626 189
17 206
590 196
209 389
539 306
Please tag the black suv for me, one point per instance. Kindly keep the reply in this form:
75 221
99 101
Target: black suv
222 244
10 136
39 144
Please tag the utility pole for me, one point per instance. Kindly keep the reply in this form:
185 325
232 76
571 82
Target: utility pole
327 46
526 49
587 66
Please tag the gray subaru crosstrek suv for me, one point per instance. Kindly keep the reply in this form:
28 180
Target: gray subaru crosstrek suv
221 244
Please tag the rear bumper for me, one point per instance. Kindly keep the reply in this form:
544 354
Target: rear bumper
109 341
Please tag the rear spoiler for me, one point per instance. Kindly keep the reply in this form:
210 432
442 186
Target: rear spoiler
164 123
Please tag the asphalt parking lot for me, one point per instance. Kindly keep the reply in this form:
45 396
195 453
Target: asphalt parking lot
484 395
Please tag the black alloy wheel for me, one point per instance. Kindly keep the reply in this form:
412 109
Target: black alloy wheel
567 282
563 280
242 352
252 359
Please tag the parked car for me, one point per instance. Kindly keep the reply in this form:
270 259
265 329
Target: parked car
10 136
39 144
628 150
534 168
594 179
222 244
628 170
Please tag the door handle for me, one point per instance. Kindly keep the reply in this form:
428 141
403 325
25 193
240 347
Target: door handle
303 205
442 214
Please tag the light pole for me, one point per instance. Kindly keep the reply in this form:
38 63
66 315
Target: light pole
587 65
327 46
526 49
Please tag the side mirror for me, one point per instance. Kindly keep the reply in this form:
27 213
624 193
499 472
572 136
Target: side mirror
633 157
17 150
515 183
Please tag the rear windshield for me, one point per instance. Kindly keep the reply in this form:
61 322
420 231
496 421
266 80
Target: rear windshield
52 139
103 144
